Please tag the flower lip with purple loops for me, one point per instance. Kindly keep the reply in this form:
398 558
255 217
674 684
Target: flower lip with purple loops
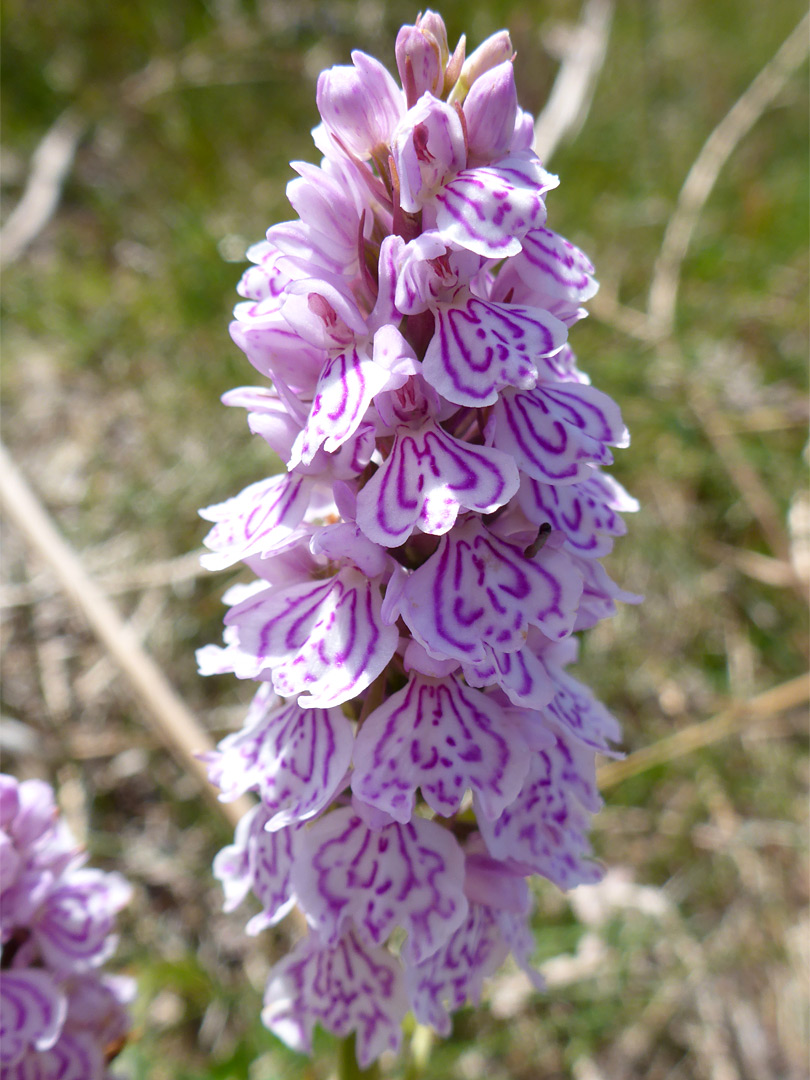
423 564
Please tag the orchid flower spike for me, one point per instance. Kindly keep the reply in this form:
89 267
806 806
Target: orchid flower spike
416 741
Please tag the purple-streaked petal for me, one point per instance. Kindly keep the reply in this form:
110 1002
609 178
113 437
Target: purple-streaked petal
266 278
428 149
490 209
232 865
32 1012
272 856
295 758
585 512
347 986
258 521
476 590
444 738
447 980
325 641
599 593
518 935
558 274
556 431
479 348
74 925
544 831
75 1056
400 875
344 392
575 709
261 862
520 674
427 478
345 463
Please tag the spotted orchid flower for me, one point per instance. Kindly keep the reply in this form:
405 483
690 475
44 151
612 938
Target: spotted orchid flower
416 742
61 1016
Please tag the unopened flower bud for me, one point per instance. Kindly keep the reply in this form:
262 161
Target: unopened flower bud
419 61
359 105
433 23
493 51
490 110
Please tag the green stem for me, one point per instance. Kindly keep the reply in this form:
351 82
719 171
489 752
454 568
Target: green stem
348 1068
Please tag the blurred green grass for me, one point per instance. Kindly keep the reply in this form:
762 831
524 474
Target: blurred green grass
116 352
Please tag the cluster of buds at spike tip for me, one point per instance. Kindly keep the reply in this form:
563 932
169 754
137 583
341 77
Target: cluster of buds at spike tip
61 1017
416 741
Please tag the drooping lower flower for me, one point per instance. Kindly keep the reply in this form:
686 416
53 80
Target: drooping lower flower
61 1016
417 744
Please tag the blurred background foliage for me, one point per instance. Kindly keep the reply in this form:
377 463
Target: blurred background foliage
115 354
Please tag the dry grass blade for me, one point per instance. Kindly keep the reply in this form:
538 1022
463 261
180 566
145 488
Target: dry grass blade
746 479
706 168
50 165
780 698
754 564
571 95
167 573
173 722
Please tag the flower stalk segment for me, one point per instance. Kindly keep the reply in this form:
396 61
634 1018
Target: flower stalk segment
416 740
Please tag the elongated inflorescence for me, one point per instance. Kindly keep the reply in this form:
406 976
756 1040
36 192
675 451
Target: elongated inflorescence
61 1017
417 743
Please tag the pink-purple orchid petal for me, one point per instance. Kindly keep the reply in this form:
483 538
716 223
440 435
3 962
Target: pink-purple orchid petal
544 831
441 737
323 642
427 150
349 986
586 512
407 875
556 431
476 590
480 348
258 521
296 759
426 480
344 392
490 209
32 1013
